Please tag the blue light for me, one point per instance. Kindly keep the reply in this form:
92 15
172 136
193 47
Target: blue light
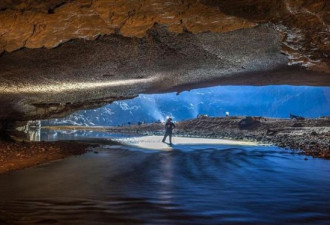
266 101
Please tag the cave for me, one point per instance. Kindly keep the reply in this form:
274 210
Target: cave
62 58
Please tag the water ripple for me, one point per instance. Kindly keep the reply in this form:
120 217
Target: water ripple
189 185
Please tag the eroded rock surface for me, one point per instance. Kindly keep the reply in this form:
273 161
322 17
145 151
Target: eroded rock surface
34 26
59 56
304 25
44 83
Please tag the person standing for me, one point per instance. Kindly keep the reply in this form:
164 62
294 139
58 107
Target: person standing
169 126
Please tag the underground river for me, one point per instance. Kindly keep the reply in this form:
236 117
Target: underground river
199 183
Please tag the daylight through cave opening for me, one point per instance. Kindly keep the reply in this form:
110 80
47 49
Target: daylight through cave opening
266 101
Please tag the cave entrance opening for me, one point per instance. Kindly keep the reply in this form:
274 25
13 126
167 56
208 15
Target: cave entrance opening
275 101
266 101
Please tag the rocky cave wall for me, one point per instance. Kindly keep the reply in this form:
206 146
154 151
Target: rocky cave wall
303 24
58 56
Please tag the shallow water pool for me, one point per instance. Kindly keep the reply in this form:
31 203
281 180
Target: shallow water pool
191 184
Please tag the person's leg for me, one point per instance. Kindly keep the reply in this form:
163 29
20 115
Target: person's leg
170 136
165 136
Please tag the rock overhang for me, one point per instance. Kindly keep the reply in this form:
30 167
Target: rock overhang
60 56
304 25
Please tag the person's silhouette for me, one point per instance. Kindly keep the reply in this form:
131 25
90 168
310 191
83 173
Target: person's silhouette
169 126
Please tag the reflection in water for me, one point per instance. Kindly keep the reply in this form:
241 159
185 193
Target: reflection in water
33 135
30 132
193 184
56 135
166 179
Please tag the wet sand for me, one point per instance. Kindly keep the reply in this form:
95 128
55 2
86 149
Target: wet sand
311 136
154 142
20 155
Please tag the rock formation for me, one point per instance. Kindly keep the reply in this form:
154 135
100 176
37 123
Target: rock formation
62 55
304 25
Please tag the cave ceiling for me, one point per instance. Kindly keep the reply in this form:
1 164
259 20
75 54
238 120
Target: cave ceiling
58 56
